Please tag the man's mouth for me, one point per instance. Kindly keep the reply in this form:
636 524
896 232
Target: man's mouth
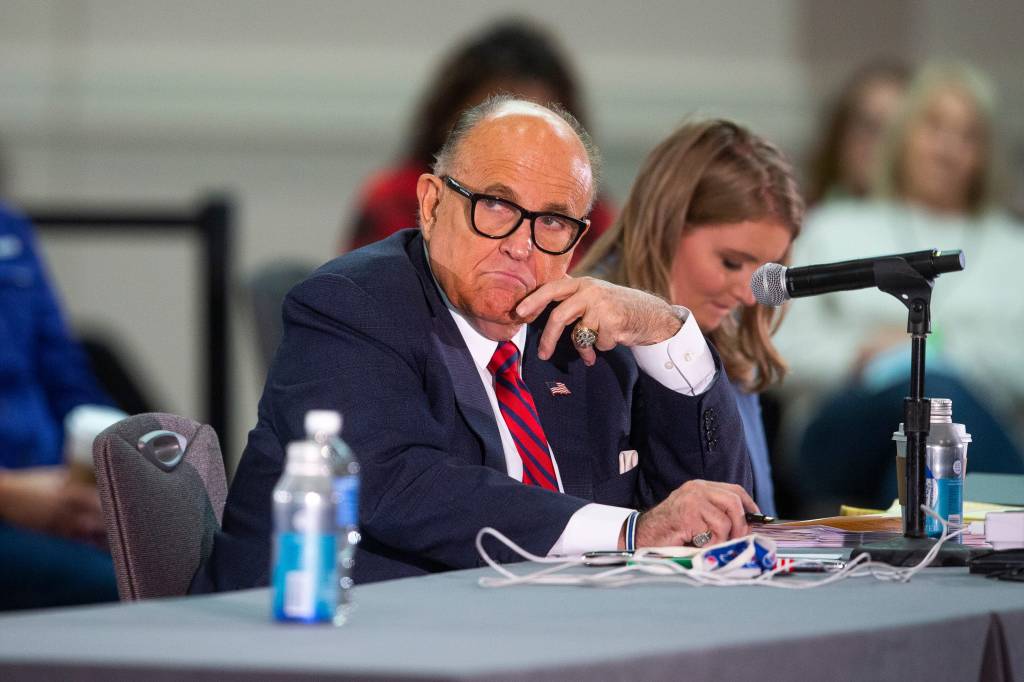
510 278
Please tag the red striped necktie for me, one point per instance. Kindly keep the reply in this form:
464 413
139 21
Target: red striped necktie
520 415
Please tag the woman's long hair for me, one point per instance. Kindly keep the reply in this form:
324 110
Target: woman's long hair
706 173
933 79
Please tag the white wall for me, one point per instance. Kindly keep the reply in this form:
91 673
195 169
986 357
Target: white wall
290 105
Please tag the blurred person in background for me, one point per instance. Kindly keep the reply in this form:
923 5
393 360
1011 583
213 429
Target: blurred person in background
935 189
846 155
711 203
51 527
514 57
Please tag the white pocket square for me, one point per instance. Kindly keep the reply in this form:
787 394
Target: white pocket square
627 460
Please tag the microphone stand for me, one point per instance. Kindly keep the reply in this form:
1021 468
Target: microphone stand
896 277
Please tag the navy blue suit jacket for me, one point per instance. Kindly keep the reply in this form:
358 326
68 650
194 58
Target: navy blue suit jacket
368 334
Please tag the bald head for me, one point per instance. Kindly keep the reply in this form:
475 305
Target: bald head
505 156
522 117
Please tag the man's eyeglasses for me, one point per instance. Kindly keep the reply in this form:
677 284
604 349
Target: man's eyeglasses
497 218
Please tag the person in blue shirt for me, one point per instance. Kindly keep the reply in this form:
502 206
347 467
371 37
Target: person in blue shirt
51 526
712 203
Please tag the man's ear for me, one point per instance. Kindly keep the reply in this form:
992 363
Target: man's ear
428 193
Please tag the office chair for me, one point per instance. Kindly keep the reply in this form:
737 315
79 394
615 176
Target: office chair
162 487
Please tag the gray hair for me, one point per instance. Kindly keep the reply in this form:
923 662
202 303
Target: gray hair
471 117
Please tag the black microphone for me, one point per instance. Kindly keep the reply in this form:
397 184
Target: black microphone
774 284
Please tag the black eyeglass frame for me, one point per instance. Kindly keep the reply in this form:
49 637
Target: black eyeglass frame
581 225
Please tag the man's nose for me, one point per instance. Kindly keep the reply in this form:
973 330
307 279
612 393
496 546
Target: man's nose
519 244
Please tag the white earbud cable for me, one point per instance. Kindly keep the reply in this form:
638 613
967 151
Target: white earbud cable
645 568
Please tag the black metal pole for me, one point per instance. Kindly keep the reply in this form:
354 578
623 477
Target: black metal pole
916 424
215 225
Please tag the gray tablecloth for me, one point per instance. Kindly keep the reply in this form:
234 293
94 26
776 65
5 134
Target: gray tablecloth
998 488
944 625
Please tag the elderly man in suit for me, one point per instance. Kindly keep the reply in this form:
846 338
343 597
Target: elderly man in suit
482 386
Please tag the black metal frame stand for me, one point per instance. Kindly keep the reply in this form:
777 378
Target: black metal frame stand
895 277
213 220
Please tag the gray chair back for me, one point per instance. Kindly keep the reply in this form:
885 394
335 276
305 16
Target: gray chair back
266 289
162 487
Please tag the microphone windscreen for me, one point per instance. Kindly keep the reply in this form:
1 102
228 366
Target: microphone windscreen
768 283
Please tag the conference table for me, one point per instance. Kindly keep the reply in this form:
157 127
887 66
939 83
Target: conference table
945 624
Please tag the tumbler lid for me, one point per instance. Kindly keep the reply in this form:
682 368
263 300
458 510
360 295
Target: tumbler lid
942 410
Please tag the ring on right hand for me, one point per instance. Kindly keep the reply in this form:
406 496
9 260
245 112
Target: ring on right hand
583 337
701 539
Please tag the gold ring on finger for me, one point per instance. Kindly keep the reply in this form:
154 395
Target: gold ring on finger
583 336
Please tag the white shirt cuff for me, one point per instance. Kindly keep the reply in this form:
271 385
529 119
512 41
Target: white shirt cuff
593 528
682 363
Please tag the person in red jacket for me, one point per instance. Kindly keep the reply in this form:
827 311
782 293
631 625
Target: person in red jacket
513 57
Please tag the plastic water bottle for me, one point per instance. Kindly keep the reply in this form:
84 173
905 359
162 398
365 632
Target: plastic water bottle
304 576
324 428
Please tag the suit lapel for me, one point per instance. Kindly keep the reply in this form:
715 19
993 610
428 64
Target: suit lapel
563 417
469 390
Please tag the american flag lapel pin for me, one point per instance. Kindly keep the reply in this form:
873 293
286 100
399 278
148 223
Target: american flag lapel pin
558 388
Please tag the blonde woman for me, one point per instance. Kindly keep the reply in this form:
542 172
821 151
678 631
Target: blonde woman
710 204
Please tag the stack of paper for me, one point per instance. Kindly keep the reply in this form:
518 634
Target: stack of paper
804 534
852 529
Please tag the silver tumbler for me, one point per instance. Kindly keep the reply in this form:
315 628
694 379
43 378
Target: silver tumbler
945 466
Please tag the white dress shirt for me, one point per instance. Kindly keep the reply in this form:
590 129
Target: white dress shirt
682 363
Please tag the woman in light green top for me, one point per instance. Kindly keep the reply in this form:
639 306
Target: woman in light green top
935 188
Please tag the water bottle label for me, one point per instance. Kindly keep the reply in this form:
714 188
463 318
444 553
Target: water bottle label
945 496
304 580
299 594
346 495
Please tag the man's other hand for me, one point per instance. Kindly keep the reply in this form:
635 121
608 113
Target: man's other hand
693 508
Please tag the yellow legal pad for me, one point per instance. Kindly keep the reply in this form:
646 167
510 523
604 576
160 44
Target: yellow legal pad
973 511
